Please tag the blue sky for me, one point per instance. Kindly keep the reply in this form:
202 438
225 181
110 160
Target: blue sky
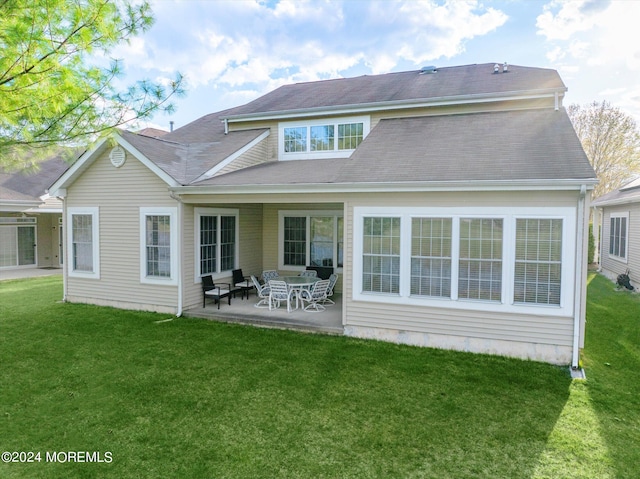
234 51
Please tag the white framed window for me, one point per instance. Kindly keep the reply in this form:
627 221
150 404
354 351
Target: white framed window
158 245
310 238
538 263
217 245
490 258
83 245
381 254
327 138
618 231
480 261
431 257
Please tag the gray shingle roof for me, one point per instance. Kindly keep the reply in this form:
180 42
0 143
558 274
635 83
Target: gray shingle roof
186 161
31 185
411 86
629 193
507 145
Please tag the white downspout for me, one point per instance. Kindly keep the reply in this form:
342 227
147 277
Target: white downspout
179 249
62 194
577 305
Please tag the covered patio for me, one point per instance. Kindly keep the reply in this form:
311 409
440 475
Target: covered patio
243 311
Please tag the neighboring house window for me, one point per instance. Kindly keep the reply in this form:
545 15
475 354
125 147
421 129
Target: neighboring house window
17 241
158 245
500 258
431 257
83 247
480 264
313 238
618 235
217 246
381 255
538 262
334 138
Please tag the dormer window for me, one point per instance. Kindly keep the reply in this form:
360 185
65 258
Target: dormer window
317 139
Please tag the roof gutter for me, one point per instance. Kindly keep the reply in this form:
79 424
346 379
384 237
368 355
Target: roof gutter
619 201
398 104
496 185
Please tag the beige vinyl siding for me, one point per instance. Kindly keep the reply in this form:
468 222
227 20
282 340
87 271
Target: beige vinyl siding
465 323
47 240
613 267
255 156
249 256
119 193
271 221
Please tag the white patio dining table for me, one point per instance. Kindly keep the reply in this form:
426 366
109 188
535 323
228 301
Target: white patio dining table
297 283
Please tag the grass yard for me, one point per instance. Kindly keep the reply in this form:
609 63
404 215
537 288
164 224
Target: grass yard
196 399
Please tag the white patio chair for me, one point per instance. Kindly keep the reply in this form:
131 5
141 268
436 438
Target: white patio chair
315 296
309 272
279 291
262 290
332 282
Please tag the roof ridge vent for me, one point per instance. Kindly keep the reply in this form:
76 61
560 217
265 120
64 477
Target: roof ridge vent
428 69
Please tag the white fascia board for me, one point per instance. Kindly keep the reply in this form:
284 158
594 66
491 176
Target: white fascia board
81 164
397 105
230 158
17 206
57 189
618 201
524 185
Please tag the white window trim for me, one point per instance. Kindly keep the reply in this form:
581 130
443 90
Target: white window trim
509 216
308 213
95 235
198 212
172 213
622 259
313 155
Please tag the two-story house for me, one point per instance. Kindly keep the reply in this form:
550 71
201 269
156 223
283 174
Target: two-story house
452 202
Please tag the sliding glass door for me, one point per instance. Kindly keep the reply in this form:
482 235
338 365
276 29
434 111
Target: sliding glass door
17 244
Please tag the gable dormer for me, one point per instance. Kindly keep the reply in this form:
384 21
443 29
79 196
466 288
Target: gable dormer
308 139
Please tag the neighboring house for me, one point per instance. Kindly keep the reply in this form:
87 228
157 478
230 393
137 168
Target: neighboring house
452 202
30 219
620 234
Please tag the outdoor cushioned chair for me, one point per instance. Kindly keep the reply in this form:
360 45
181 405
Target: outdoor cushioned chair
215 291
332 282
309 272
269 275
279 292
315 296
262 290
241 282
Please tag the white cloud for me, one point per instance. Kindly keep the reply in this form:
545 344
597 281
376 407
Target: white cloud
249 43
571 17
602 33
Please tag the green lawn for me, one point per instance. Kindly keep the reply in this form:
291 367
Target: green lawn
196 399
